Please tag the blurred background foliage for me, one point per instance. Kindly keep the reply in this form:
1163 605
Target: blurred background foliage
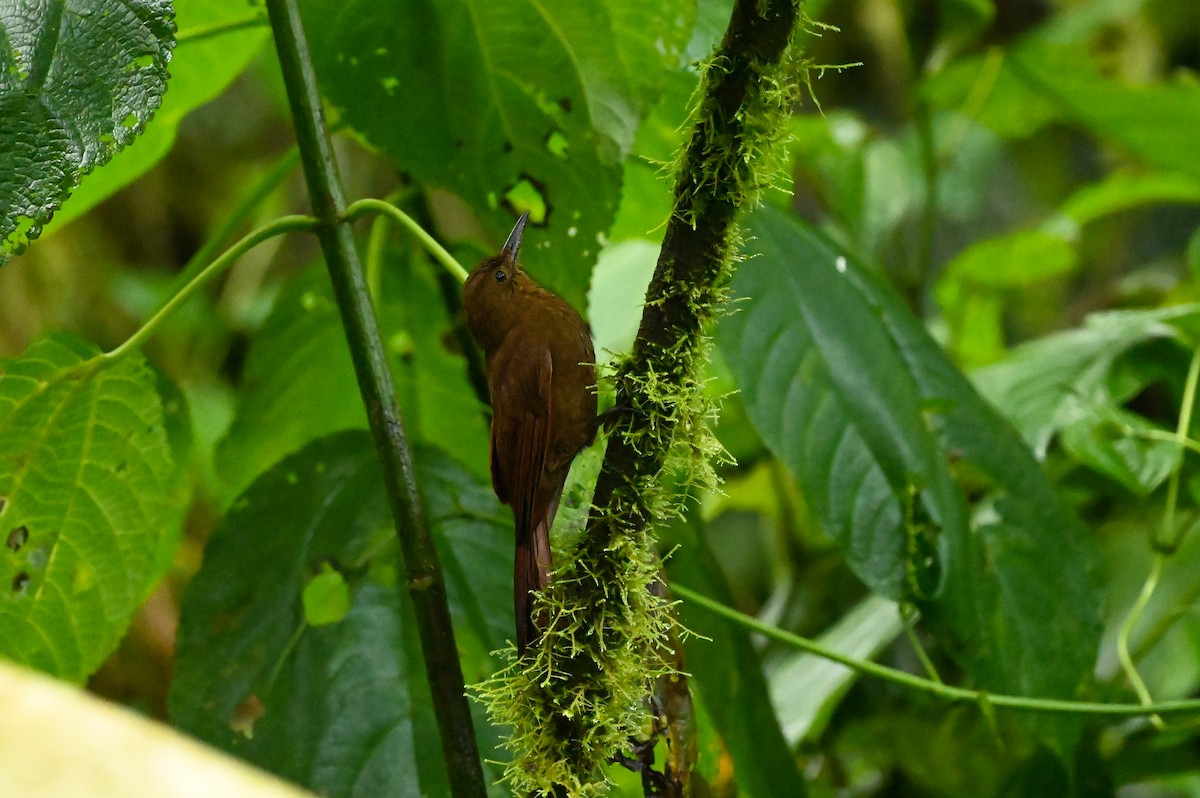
1011 168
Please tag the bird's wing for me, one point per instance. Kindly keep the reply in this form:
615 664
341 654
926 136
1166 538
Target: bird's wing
521 422
519 383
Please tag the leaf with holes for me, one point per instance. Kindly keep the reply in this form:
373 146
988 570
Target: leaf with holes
85 494
885 435
79 79
251 660
504 101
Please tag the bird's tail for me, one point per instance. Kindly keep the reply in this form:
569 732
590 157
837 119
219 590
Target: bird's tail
531 571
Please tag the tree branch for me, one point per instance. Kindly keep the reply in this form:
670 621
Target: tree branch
719 173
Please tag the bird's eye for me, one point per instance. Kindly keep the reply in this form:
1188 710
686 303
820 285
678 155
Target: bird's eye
501 275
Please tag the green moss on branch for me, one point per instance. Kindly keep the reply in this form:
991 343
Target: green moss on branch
576 701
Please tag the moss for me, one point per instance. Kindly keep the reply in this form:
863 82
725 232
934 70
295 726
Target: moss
580 693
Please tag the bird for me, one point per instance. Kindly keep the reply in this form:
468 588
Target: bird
541 376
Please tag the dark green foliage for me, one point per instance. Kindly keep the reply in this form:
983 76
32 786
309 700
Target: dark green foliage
254 677
876 425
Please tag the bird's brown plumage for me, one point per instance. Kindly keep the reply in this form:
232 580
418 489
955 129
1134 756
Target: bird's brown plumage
541 377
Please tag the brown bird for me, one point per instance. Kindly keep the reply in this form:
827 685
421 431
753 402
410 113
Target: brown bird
541 375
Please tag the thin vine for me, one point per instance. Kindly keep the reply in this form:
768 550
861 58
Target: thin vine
929 686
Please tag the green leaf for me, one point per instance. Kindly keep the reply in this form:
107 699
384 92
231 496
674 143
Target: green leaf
985 88
1039 386
727 676
1117 443
1017 260
970 290
848 390
298 384
202 67
79 79
458 97
617 294
651 38
1123 191
248 661
85 485
1154 121
645 204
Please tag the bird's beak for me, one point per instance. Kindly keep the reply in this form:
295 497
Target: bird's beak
513 244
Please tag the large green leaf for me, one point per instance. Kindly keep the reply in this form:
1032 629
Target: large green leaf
206 61
341 707
848 389
482 98
85 474
79 79
298 383
806 689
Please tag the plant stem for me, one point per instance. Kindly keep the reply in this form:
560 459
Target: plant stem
1165 544
363 207
1170 539
285 224
1135 614
423 573
929 686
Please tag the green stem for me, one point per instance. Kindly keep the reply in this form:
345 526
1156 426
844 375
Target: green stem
423 573
1166 621
1190 444
286 224
364 207
928 686
1170 538
1166 543
376 241
907 615
1135 614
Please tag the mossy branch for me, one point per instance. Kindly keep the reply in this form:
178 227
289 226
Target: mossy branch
580 694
